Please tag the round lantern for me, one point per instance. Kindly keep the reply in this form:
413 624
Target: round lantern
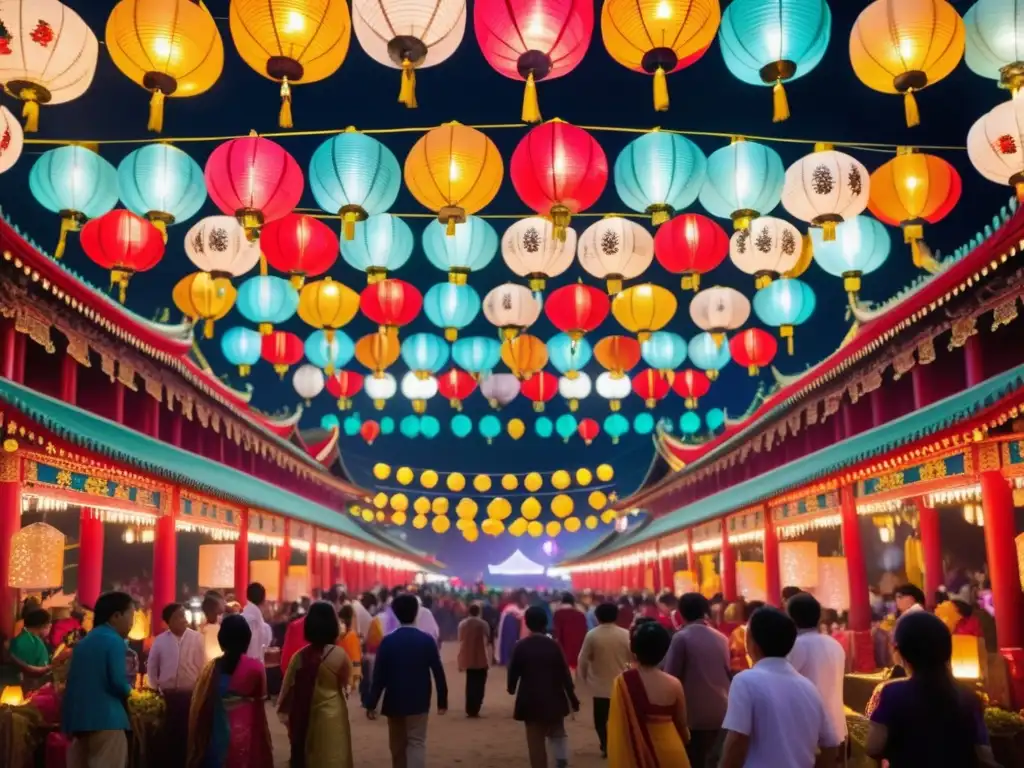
418 389
451 306
328 305
770 42
557 170
767 248
344 385
575 389
242 347
331 353
123 243
540 388
994 30
36 557
253 178
616 425
798 563
456 385
690 423
615 249
218 245
659 174
617 354
826 188
291 42
12 140
709 355
378 351
659 37
169 48
785 304
477 355
531 249
613 388
644 308
161 183
425 354
470 249
308 381
903 46
861 246
994 145
753 348
299 246
690 245
576 309
544 427
719 309
380 244
524 355
500 389
282 350
568 356
744 180
48 55
391 303
651 386
201 296
664 351
380 388
454 170
267 300
489 427
565 426
369 431
691 385
512 308
71 181
913 188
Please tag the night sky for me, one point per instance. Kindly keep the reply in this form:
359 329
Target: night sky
829 104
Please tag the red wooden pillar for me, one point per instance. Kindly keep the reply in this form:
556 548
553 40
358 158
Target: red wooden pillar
10 348
242 559
1000 531
861 646
974 362
151 417
117 400
313 562
284 556
165 555
921 384
728 565
876 399
90 556
177 424
931 548
10 524
665 568
772 578
69 379
691 561
19 358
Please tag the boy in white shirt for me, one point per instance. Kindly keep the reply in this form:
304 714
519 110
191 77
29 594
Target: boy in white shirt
819 657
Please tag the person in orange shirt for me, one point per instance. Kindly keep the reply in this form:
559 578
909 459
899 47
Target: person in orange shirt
348 641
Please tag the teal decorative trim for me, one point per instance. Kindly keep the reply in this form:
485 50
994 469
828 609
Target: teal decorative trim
806 506
199 512
1015 452
951 466
41 474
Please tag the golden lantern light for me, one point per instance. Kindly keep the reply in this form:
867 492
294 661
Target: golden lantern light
12 696
560 480
439 506
530 509
492 527
420 522
140 626
378 351
404 475
533 482
562 505
201 296
456 482
37 558
466 509
499 509
643 309
966 658
216 566
421 506
440 524
482 483
553 528
591 522
535 528
518 527
572 525
170 47
605 473
524 355
328 305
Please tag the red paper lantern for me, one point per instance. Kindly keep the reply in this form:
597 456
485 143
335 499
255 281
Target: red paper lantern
391 303
123 243
651 386
344 385
300 246
540 388
282 349
691 385
753 348
456 385
691 245
577 309
558 170
255 180
369 431
588 429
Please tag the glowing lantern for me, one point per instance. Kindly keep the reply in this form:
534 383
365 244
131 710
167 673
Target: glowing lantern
784 304
525 355
994 145
753 348
994 48
418 388
615 426
651 386
283 41
369 431
911 188
769 42
531 249
282 350
691 385
664 351
123 243
719 309
544 427
299 246
308 381
454 170
391 303
48 55
253 179
451 306
268 301
826 188
615 249
512 308
659 36
565 426
425 354
617 354
575 388
709 355
36 558
765 249
745 180
567 355
477 354
613 389
535 529
690 423
906 45
328 305
344 385
218 245
331 353
576 309
161 183
201 296
644 309
659 174
557 170
12 696
861 246
74 182
470 249
12 140
456 385
489 428
691 245
242 347
500 389
539 389
380 388
380 244
378 351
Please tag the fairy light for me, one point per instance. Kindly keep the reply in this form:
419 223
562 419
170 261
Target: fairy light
42 504
801 527
746 537
882 507
322 547
264 538
707 545
676 551
967 493
300 544
216 533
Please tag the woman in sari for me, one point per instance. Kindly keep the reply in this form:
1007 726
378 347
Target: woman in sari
647 720
312 702
349 642
227 721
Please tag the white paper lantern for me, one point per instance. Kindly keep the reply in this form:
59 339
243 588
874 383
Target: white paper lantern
750 581
833 588
512 308
296 583
37 558
575 389
798 563
994 145
615 249
500 389
766 249
380 388
683 583
218 244
418 390
308 381
613 388
12 139
531 250
826 188
216 566
267 573
718 310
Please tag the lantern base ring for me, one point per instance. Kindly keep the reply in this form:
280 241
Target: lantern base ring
160 81
407 48
537 63
16 88
451 215
665 58
1011 77
285 68
784 69
914 80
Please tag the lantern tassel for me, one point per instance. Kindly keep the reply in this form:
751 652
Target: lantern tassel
910 108
407 93
828 231
450 229
119 278
68 223
531 106
348 225
156 111
284 117
780 102
30 109
1019 186
660 91
243 370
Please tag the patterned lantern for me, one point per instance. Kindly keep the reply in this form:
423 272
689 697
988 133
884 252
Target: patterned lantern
651 386
769 42
745 180
540 388
253 179
615 249
588 429
532 250
659 36
267 301
36 557
477 354
660 173
826 188
524 355
500 389
530 41
995 42
719 309
308 381
798 563
454 170
470 249
391 303
691 245
344 385
12 140
575 389
71 181
328 305
242 347
202 296
161 183
664 351
282 40
329 354
380 244
613 388
576 309
218 245
425 354
557 170
994 145
902 46
617 354
123 243
709 355
512 308
568 356
785 304
369 431
753 348
644 309
378 351
456 385
451 306
911 188
380 387
169 48
691 385
299 246
282 350
47 55
418 389
861 246
766 249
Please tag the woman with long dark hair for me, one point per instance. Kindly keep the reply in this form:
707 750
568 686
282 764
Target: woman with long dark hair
927 718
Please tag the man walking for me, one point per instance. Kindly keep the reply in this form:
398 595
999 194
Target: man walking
604 656
255 596
175 662
474 644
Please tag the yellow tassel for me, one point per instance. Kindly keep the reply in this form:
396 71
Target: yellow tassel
156 111
160 225
531 107
407 93
781 103
208 329
297 281
614 286
660 91
753 370
243 370
284 118
30 109
67 224
910 108
451 334
450 229
348 225
828 231
1019 186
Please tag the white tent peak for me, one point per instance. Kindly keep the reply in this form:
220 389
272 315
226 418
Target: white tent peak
517 564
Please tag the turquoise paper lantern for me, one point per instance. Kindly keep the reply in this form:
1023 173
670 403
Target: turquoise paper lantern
162 184
690 423
242 347
452 307
387 426
461 425
477 355
615 426
566 426
430 427
470 249
353 422
409 427
664 351
567 356
330 422
714 419
660 173
995 41
861 246
267 300
707 355
489 427
744 181
643 423
543 427
329 355
379 245
425 353
785 304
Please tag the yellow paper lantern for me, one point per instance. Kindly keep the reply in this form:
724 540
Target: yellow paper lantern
515 427
553 528
530 509
428 479
439 506
169 47
399 502
482 483
327 305
354 510
37 558
798 563
380 517
597 500
605 473
381 471
399 518
518 527
201 296
471 533
533 482
216 566
296 583
572 525
380 500
591 522
584 477
420 522
440 524
421 506
535 528
609 516
456 482
13 696
492 527
378 351
499 509
367 515
140 626
561 480
524 355
966 658
644 309
833 589
462 525
562 505
466 509
267 573
750 581
509 482
404 476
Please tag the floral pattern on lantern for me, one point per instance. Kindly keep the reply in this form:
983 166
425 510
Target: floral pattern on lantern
644 308
511 308
162 184
472 247
532 250
825 188
994 145
614 249
767 248
218 245
659 174
300 246
691 245
123 243
745 180
12 140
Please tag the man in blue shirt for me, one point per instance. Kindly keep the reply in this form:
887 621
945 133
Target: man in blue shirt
405 660
95 700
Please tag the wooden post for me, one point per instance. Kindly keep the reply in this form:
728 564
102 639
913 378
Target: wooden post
165 555
69 379
90 557
728 565
242 558
10 524
772 578
931 549
1001 552
974 361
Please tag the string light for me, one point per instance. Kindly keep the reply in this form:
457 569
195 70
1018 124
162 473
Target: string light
955 496
882 507
800 528
263 538
216 533
707 545
746 537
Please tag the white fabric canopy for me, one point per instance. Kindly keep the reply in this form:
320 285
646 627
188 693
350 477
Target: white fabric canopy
517 564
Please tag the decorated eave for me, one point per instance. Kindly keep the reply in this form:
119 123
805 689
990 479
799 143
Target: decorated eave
321 444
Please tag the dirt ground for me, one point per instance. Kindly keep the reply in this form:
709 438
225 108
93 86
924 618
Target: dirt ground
493 741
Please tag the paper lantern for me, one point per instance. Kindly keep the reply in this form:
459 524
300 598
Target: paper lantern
691 385
905 46
201 296
690 245
461 425
380 244
381 471
218 245
539 388
378 351
420 522
617 354
516 429
745 180
499 509
470 249
242 347
664 351
530 509
430 427
500 389
328 305
659 37
751 581
531 249
767 248
591 523
217 566
282 40
329 354
719 309
833 587
994 145
299 246
525 355
267 573
380 388
708 355
489 427
369 431
451 306
511 308
643 309
477 355
48 55
753 348
454 170
798 564
659 174
643 423
455 385
267 301
391 303
425 354
614 389
12 140
690 423
282 350
575 389
123 244
428 479
12 696
418 389
553 528
994 31
160 182
308 381
614 249
568 356
588 430
533 482
826 188
37 558
565 426
576 309
544 427
535 529
651 386
861 246
785 304
562 505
